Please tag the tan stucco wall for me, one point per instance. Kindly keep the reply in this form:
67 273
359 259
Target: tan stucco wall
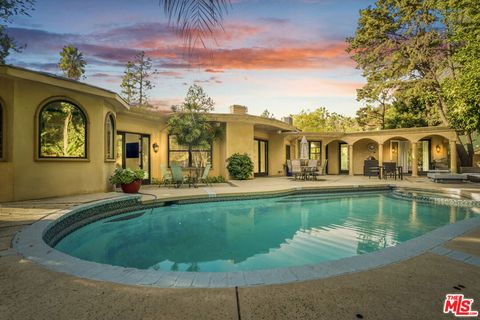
333 158
6 163
239 138
48 178
361 152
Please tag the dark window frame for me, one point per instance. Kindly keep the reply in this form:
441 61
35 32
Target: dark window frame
262 174
38 130
190 158
110 116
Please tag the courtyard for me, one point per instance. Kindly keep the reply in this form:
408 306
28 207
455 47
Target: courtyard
411 289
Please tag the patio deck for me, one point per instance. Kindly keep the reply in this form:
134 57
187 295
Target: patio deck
411 289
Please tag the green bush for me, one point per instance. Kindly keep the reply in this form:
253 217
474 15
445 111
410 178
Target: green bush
126 176
218 179
240 166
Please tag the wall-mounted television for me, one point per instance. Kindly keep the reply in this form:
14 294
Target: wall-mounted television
132 150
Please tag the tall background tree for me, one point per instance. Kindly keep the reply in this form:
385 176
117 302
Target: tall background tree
413 50
321 120
189 122
136 81
72 62
267 114
8 10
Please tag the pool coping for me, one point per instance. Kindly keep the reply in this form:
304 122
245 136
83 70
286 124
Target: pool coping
30 243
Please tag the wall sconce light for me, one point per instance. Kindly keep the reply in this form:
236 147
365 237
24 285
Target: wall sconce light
437 148
156 147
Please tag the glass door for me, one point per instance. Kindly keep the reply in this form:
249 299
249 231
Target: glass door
424 155
133 152
260 157
343 158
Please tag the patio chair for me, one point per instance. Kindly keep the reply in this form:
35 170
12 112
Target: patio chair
177 176
204 178
323 168
296 169
312 169
371 168
390 170
166 176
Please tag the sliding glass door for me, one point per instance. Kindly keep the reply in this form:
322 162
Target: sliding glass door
260 158
343 157
133 152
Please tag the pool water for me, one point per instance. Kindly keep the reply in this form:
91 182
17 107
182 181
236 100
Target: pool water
257 234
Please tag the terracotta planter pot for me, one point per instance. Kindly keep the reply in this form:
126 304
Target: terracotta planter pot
132 187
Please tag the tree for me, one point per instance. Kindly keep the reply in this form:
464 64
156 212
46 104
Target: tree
321 120
136 80
9 9
129 90
72 62
196 19
371 118
407 47
267 114
189 122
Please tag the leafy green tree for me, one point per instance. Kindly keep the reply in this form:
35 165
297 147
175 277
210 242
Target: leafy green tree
196 19
129 90
371 118
136 82
407 47
189 122
267 114
72 62
9 9
321 120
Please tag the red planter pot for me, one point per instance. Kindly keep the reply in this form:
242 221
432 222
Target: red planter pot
132 187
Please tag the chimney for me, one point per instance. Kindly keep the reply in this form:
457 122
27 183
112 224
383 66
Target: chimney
238 109
288 120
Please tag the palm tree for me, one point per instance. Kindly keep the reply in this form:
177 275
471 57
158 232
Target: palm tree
72 62
196 19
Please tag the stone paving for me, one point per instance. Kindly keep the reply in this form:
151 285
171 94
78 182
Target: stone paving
411 289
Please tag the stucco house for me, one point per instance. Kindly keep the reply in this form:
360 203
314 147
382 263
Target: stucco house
38 158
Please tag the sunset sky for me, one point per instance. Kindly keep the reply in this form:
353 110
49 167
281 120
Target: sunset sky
283 55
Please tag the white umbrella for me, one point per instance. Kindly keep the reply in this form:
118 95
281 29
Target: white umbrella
304 148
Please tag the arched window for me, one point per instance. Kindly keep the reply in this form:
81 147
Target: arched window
62 131
110 137
1 131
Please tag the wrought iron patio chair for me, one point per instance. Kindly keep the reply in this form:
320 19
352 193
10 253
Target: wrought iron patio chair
177 176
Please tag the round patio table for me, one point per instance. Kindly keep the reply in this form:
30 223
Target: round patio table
193 175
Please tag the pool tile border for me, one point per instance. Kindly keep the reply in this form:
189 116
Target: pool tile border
31 243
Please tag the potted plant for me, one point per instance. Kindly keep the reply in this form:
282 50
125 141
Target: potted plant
129 180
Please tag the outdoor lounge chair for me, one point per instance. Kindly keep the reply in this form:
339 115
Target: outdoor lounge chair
177 176
447 177
166 176
204 178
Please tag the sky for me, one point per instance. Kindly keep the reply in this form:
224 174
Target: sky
282 55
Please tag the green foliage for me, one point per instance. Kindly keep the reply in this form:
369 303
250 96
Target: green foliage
267 114
136 82
62 131
240 166
72 62
196 19
321 120
218 179
9 9
189 123
126 176
425 51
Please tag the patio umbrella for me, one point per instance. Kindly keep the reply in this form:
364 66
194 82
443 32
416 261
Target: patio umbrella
304 148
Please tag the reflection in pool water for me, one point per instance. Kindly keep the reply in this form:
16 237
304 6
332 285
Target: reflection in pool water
257 234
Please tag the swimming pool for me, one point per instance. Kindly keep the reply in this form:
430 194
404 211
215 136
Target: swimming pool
267 233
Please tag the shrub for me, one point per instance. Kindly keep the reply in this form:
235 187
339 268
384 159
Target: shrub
126 176
240 166
218 179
